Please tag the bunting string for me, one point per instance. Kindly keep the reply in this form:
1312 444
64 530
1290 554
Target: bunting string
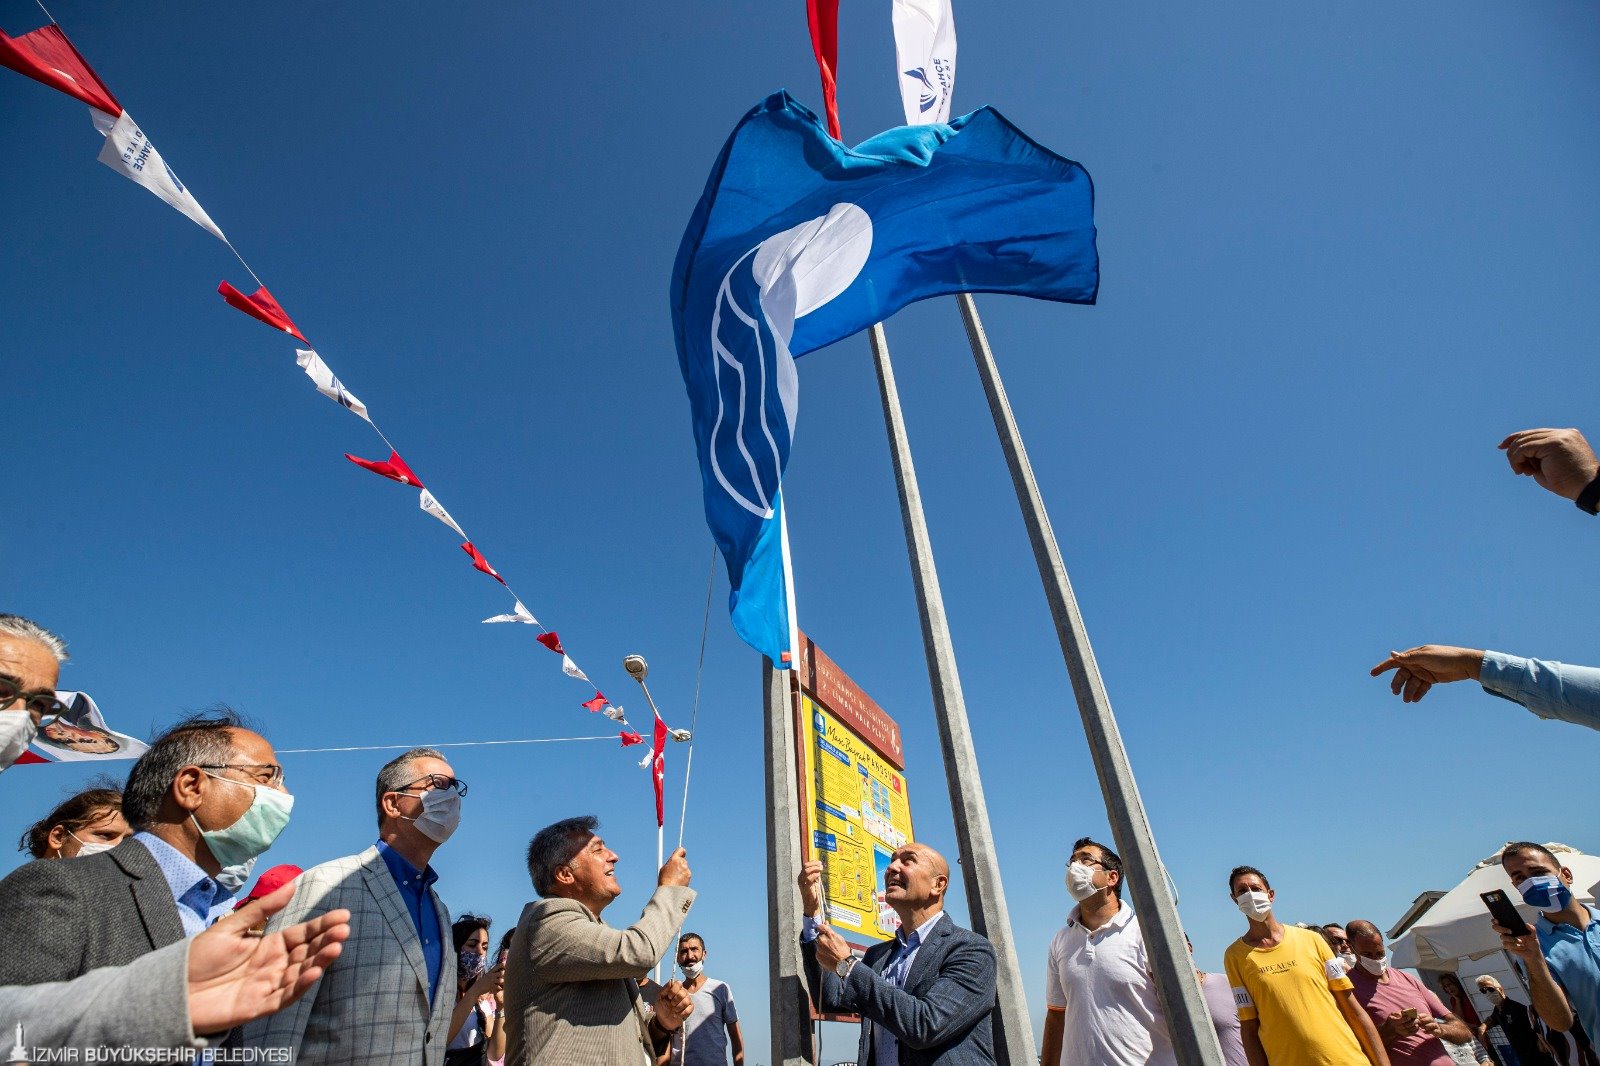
447 744
47 56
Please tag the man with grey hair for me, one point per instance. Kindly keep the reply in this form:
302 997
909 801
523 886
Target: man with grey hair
388 998
207 796
30 665
572 981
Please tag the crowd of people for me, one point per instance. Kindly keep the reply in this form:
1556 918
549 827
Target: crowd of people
129 912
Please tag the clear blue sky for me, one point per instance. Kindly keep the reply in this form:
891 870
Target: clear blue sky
1345 250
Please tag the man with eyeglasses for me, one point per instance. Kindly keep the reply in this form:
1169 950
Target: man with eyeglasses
30 665
206 798
1100 998
389 997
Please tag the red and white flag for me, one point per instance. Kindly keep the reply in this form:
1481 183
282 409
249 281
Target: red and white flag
435 508
658 769
480 564
129 152
518 614
394 468
823 18
630 738
46 56
329 385
925 58
260 306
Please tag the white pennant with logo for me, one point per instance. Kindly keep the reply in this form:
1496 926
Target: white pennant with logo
925 58
129 152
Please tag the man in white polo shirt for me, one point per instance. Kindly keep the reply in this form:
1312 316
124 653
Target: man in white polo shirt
1098 988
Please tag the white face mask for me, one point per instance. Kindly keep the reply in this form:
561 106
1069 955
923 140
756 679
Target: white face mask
17 730
1080 881
1255 905
89 847
692 969
1376 967
233 877
1348 958
441 813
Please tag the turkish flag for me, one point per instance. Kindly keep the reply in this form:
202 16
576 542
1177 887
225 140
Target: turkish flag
630 738
551 640
480 564
595 705
658 770
823 18
45 55
394 468
260 306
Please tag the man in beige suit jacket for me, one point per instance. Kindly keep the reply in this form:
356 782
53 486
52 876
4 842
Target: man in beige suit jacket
572 981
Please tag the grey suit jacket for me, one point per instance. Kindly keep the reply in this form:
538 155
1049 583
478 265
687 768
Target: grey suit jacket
370 1007
943 1013
61 918
572 982
144 1004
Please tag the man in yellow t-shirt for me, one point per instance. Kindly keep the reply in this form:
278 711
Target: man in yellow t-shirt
1295 1003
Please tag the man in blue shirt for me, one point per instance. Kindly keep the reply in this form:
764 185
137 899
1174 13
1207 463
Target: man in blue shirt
1549 689
388 997
1562 956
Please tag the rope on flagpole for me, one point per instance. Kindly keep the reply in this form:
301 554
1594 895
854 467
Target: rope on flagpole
46 11
259 283
694 715
448 744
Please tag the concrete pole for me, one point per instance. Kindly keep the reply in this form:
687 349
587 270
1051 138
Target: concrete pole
790 1003
1193 1037
980 869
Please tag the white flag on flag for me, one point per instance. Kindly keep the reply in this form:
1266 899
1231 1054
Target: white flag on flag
519 614
616 714
331 387
570 668
435 508
925 58
129 152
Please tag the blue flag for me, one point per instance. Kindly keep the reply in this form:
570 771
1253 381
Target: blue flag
798 242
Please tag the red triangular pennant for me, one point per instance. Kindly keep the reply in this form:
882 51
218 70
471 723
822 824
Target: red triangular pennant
596 705
394 468
630 738
480 564
45 55
551 640
30 757
260 306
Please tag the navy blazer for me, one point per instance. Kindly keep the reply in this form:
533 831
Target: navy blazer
944 1013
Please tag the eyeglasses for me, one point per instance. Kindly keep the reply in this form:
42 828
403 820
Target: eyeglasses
1087 862
42 704
437 782
274 776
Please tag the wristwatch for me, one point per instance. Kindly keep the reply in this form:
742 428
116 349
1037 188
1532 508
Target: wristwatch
845 965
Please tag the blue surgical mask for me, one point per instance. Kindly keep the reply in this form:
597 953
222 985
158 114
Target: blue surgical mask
1545 893
255 830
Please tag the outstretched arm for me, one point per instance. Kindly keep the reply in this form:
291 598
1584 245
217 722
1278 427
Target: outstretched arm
568 946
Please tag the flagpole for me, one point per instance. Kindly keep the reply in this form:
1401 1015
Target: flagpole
789 1000
661 860
980 866
1193 1037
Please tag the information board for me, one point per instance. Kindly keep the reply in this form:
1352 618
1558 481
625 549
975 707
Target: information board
854 796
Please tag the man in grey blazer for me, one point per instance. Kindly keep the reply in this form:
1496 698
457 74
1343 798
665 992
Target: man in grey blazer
208 793
386 1001
572 981
925 997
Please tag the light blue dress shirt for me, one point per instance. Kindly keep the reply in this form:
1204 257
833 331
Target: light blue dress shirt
885 1046
201 900
1574 957
1548 689
413 885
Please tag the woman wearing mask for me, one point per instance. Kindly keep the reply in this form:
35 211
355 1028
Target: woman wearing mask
476 1034
86 824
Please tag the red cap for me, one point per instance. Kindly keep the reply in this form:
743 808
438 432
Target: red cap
270 882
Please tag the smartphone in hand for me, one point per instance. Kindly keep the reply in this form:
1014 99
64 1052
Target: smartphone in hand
1504 913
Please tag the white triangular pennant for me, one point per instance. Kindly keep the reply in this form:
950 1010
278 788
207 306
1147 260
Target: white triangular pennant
331 387
129 152
519 614
615 714
570 668
435 508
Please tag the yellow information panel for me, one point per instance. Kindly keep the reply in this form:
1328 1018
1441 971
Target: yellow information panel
860 814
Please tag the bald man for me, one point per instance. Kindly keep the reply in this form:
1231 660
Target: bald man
925 997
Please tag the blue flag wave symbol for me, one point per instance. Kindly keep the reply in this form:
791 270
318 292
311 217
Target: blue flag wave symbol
799 241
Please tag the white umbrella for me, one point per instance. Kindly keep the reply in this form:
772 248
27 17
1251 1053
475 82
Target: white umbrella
1457 926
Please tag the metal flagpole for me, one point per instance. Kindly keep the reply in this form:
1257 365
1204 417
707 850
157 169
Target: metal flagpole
1193 1037
790 1003
661 860
980 868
